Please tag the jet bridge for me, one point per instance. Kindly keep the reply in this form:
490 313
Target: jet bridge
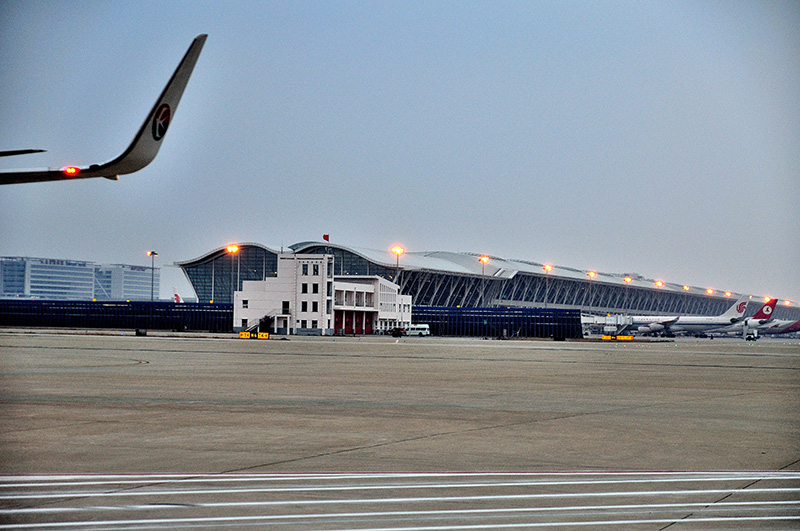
611 325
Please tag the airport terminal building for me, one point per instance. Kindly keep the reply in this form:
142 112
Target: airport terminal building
449 279
462 283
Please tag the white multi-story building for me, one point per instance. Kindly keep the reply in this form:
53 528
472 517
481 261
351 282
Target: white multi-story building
59 279
126 282
305 298
369 304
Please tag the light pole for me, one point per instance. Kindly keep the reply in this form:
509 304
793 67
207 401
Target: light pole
398 250
547 268
233 250
483 259
686 297
627 281
591 275
152 255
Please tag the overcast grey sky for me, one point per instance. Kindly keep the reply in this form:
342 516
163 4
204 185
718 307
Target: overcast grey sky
654 137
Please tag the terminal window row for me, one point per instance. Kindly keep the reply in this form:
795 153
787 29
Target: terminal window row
314 269
314 288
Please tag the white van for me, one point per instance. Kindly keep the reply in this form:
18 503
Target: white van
419 330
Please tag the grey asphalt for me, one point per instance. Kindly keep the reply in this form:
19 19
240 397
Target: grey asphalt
120 404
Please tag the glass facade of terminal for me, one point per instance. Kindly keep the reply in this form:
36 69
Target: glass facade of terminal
349 263
215 276
440 288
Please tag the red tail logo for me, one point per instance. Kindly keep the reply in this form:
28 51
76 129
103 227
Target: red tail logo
741 307
766 310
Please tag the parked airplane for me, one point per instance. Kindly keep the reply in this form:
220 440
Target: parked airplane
763 316
175 296
781 326
758 321
145 144
669 324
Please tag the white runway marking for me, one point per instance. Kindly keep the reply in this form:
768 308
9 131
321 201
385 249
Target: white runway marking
467 501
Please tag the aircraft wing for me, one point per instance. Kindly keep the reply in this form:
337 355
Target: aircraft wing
145 144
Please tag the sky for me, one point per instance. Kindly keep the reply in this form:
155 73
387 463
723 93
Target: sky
661 138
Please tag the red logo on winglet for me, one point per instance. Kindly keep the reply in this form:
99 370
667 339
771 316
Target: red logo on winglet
161 121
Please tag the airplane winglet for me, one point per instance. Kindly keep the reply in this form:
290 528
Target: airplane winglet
146 143
15 152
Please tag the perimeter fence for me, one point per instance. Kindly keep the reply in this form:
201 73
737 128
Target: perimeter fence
117 314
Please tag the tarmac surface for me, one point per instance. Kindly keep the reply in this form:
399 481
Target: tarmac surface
116 431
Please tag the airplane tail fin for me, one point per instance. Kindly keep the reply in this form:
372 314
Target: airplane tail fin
736 311
175 296
766 311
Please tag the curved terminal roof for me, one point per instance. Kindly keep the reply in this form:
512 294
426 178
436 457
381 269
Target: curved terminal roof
220 250
466 263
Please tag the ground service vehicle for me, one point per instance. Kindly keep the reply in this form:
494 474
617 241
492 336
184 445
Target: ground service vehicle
419 330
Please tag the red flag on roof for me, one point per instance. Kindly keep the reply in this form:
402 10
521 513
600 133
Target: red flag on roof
326 237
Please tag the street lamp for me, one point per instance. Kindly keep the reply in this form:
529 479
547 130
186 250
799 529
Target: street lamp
152 255
627 281
591 275
686 299
547 268
483 259
233 250
397 250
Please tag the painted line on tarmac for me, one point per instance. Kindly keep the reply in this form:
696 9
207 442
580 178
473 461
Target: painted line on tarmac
619 508
126 494
171 522
17 482
72 481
